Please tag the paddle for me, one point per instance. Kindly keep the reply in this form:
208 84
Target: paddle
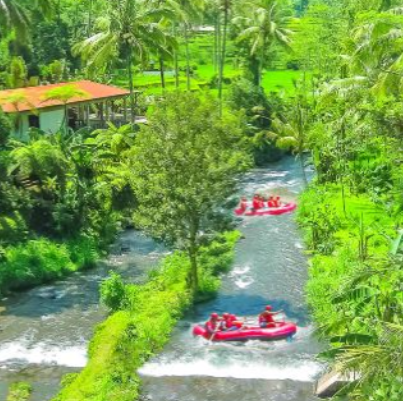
214 333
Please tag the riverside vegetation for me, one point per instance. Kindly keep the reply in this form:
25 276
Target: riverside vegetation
351 213
64 197
141 322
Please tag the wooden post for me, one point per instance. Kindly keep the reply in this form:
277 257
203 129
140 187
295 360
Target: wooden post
101 108
125 109
107 110
87 115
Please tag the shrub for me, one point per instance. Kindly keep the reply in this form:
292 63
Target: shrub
42 260
83 251
34 262
13 229
209 284
19 392
129 337
126 340
113 292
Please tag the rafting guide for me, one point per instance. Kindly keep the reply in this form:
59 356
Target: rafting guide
266 318
229 328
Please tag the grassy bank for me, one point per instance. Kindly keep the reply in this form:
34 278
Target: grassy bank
346 240
141 324
19 392
38 261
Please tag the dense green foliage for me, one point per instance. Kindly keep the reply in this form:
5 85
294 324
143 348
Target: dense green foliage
352 211
19 391
63 197
55 194
187 161
142 322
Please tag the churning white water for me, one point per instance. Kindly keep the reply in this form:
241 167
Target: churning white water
22 352
270 268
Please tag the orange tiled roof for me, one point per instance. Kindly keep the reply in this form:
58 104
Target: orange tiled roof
34 96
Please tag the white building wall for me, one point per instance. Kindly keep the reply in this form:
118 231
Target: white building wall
51 121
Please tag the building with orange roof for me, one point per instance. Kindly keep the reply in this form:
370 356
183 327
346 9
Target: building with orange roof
81 104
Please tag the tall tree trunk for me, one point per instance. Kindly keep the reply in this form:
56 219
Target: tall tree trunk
194 274
162 72
223 53
89 28
218 53
131 86
176 70
176 61
215 45
302 164
254 68
301 141
261 64
186 34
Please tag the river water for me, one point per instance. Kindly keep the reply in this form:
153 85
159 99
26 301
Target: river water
270 268
44 332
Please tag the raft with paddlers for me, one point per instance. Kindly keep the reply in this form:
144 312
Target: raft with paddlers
261 207
229 328
279 331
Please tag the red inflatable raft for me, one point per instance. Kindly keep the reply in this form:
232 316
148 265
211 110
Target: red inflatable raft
280 331
284 208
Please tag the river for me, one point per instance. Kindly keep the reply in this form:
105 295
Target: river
44 332
270 268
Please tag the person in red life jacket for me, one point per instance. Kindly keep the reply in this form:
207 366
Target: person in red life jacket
223 325
277 201
266 318
243 205
261 202
256 202
233 323
213 323
270 202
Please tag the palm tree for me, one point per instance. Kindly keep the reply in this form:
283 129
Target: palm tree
225 6
13 14
378 51
129 29
165 51
375 363
114 139
292 131
190 9
266 27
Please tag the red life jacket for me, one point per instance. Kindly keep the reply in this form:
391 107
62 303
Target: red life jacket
267 318
256 203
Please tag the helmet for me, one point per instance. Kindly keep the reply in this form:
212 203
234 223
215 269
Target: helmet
214 315
226 315
268 307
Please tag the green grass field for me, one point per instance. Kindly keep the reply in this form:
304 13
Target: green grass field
273 81
201 49
277 81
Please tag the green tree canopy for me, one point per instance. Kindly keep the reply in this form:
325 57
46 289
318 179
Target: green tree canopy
186 164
